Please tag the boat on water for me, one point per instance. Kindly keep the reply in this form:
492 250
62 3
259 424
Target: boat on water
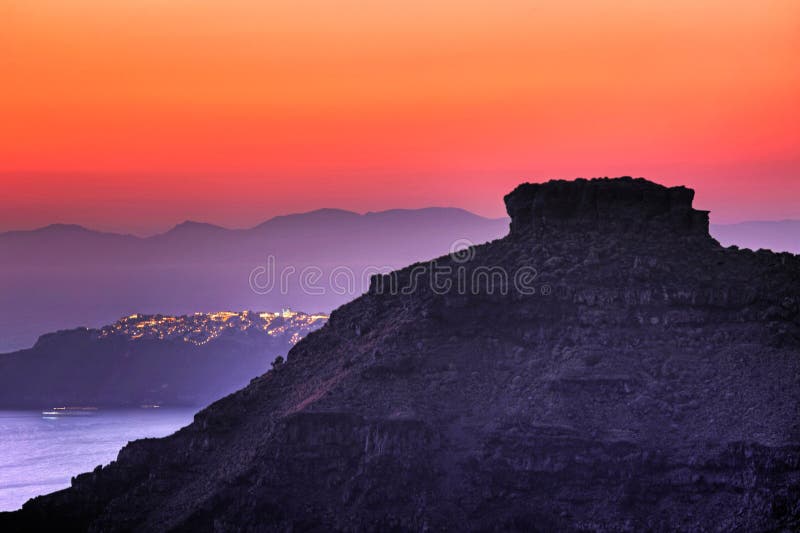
69 411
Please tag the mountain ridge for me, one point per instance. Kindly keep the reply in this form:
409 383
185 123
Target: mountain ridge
57 281
188 223
721 231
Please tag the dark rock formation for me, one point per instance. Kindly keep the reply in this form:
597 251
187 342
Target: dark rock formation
622 204
626 374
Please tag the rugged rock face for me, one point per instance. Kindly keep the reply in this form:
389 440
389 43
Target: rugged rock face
624 204
606 367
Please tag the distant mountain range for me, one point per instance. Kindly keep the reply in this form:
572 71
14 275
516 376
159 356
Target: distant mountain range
63 276
150 360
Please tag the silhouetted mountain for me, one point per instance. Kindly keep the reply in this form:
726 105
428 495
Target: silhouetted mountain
65 276
192 229
607 366
150 359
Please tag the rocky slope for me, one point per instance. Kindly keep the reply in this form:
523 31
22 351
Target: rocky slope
627 374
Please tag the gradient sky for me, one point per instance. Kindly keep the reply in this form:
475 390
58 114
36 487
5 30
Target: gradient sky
131 115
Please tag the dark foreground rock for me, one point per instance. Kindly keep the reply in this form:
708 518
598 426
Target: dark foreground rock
627 373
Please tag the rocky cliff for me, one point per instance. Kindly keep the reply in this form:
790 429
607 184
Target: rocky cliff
606 367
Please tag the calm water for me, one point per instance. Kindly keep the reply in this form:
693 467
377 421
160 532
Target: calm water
39 454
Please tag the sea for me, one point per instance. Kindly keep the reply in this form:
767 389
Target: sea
40 453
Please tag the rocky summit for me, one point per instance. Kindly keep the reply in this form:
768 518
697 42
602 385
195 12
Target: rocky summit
607 366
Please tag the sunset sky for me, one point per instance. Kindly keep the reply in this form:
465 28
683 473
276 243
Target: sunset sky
132 115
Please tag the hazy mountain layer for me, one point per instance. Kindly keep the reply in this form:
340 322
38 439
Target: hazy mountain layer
775 235
66 276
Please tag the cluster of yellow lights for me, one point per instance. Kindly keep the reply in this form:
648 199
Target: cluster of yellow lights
202 328
222 316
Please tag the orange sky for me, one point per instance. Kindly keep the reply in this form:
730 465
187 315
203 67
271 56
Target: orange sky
136 114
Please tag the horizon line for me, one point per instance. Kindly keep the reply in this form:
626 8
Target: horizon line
176 225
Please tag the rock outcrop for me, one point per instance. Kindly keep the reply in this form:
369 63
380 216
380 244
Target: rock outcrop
606 367
622 205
